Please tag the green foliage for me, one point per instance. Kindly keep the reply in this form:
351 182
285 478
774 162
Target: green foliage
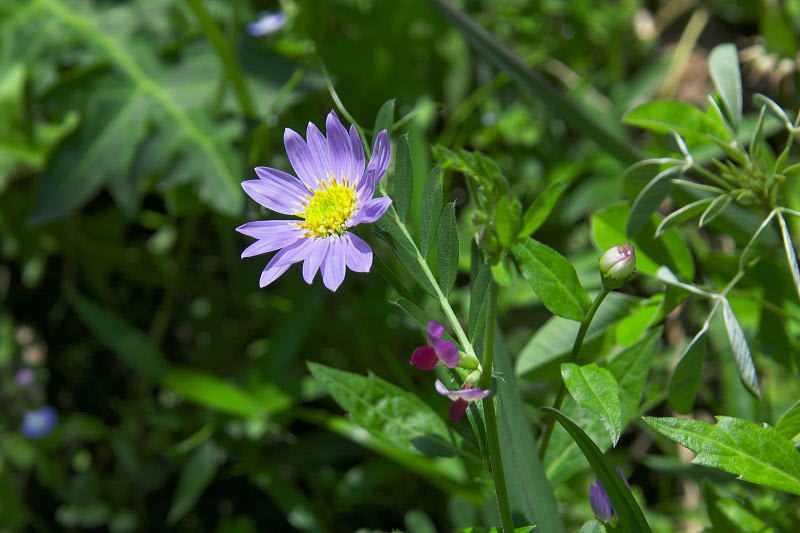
596 389
553 278
754 453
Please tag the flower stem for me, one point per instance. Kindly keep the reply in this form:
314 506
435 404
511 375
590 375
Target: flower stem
492 429
576 349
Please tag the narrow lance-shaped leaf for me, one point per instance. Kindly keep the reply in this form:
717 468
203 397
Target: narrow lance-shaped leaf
385 117
650 198
685 380
401 183
553 278
788 424
723 64
477 300
741 351
791 257
683 214
197 473
447 255
631 518
541 208
714 209
754 453
596 389
431 210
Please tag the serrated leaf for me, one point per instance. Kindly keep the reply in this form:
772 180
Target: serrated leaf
197 473
685 380
385 117
631 518
723 65
596 389
715 208
447 254
788 424
541 208
431 210
683 214
741 351
754 453
388 412
648 200
553 279
401 184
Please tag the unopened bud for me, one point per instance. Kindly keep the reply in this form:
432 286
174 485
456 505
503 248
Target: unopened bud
617 265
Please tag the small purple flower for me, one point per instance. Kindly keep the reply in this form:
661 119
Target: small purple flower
461 398
267 24
333 193
24 378
39 423
437 351
600 502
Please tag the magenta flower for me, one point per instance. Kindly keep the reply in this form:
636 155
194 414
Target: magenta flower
461 398
437 351
333 193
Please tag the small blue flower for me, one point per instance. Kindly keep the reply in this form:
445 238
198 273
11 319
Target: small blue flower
39 423
267 24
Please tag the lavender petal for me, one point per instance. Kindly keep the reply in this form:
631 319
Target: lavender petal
357 253
370 211
378 164
339 144
318 146
281 261
317 251
333 265
279 196
305 165
358 155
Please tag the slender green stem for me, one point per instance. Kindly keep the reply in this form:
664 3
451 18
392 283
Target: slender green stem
226 56
576 350
711 176
492 430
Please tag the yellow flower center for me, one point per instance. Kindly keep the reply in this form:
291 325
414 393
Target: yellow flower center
328 209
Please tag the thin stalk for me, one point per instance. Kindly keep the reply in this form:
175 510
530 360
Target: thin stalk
576 350
492 430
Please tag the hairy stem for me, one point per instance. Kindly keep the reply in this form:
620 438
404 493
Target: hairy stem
576 349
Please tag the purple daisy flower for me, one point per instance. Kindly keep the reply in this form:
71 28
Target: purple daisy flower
39 423
333 193
461 398
437 351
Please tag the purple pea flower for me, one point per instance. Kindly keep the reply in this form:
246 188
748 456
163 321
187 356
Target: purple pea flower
333 193
461 398
437 351
600 502
267 24
39 423
24 378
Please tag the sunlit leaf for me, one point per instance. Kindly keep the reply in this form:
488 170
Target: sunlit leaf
723 65
596 389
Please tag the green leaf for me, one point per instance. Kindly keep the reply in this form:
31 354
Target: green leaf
754 453
507 219
210 391
587 122
447 255
723 65
791 257
418 522
128 343
431 210
197 473
788 424
685 380
477 301
390 229
553 278
401 184
541 208
531 496
630 368
631 518
413 311
592 526
385 117
741 351
651 196
683 214
596 389
663 116
388 412
714 209
608 229
524 529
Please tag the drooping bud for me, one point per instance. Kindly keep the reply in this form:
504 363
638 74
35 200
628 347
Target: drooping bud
617 265
600 502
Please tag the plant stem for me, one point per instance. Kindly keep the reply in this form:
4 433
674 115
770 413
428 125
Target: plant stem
492 430
576 350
